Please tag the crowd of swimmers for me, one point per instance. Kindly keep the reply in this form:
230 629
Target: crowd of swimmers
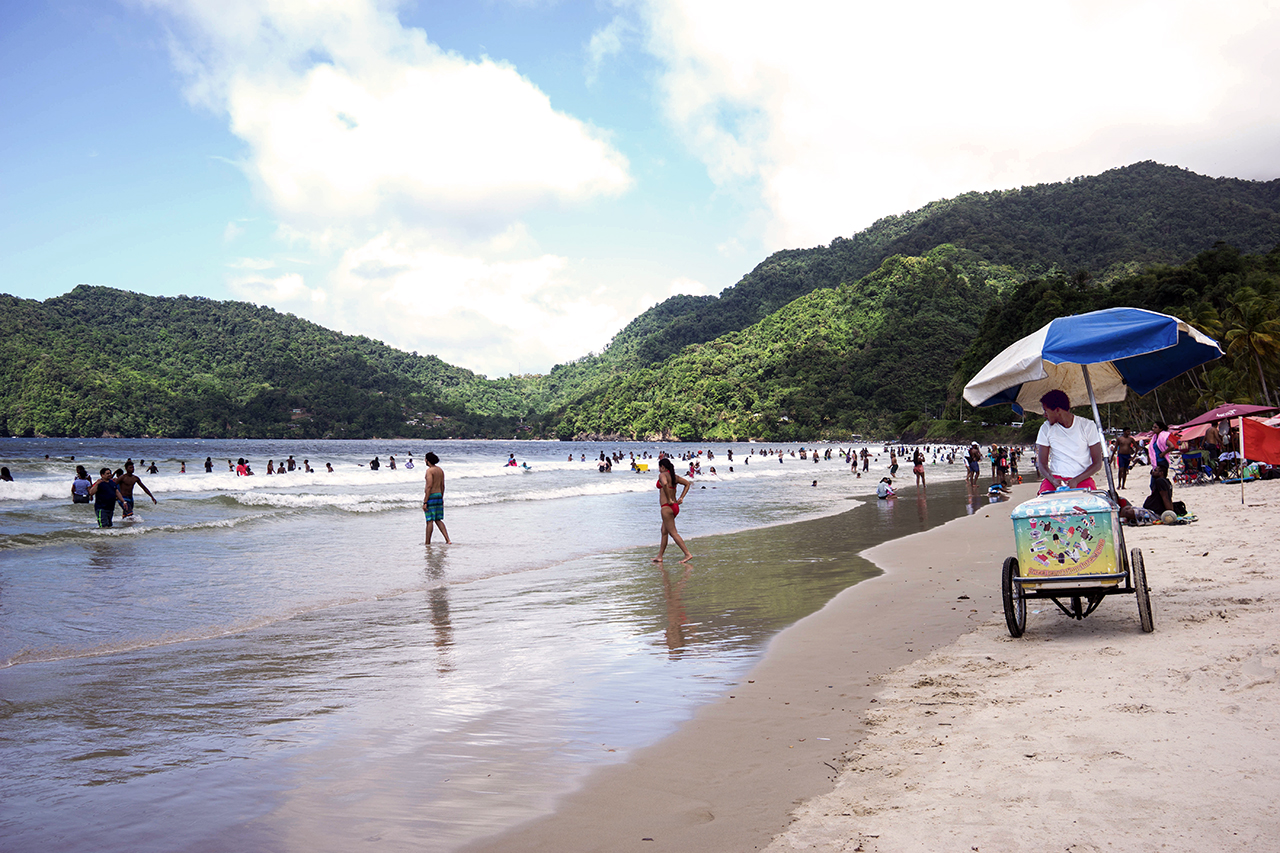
1004 461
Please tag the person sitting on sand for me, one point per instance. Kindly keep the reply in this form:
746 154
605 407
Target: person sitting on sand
884 490
1068 448
1161 498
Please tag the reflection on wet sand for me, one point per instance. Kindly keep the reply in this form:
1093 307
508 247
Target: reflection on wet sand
975 498
438 606
678 627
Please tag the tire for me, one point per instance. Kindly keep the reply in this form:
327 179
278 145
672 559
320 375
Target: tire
1145 616
1015 605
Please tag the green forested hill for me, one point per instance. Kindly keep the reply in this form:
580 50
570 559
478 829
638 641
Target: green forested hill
1233 298
863 335
835 360
99 360
1110 225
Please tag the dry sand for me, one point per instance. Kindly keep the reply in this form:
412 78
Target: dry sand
729 778
939 732
1087 736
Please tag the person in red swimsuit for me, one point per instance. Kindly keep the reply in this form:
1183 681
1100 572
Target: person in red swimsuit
670 506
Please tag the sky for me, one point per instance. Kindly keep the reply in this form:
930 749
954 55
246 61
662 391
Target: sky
507 183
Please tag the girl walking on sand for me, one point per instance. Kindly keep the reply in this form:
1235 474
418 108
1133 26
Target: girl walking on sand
669 505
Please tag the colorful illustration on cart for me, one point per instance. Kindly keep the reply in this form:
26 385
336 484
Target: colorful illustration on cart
1065 537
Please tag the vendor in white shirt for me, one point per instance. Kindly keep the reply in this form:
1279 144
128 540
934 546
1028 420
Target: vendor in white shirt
1068 448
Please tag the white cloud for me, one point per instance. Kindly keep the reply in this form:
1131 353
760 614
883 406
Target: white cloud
840 113
286 289
492 316
688 286
605 42
405 169
350 116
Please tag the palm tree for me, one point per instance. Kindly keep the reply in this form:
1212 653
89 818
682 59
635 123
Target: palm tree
1253 332
1204 317
1222 385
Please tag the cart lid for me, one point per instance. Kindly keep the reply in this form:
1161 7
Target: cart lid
1066 502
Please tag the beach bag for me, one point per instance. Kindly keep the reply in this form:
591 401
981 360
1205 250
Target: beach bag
1180 508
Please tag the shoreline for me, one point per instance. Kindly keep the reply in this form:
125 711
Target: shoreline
1091 731
728 779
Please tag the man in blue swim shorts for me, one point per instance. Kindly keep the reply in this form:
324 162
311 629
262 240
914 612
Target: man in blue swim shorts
433 499
1124 453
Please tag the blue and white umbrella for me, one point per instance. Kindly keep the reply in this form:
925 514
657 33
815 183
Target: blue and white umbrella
1095 357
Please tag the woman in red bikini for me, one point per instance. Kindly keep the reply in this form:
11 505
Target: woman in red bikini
670 504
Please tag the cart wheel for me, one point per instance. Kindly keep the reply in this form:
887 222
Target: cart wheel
1015 606
1144 595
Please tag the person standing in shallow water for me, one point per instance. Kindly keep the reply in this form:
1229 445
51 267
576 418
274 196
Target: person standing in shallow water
669 506
126 484
105 497
433 500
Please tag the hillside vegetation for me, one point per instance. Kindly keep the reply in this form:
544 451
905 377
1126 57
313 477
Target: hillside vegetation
1110 225
874 334
1233 298
827 363
103 361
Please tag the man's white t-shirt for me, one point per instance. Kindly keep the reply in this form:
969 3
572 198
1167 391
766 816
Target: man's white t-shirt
1069 446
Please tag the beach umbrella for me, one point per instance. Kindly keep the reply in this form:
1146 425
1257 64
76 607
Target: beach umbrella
1098 356
1228 411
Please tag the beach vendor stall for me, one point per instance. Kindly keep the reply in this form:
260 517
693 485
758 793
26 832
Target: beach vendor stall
1069 542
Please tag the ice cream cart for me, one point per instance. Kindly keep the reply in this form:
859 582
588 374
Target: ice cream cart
1070 546
1070 550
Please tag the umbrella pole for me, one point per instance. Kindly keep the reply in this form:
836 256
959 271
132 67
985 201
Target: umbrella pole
1097 419
1242 459
1106 463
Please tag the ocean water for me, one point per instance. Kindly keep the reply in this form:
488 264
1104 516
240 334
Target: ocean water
281 663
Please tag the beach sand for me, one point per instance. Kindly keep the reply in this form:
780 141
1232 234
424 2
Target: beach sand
1086 736
730 777
902 717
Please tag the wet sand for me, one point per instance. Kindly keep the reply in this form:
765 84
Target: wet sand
1088 736
729 779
